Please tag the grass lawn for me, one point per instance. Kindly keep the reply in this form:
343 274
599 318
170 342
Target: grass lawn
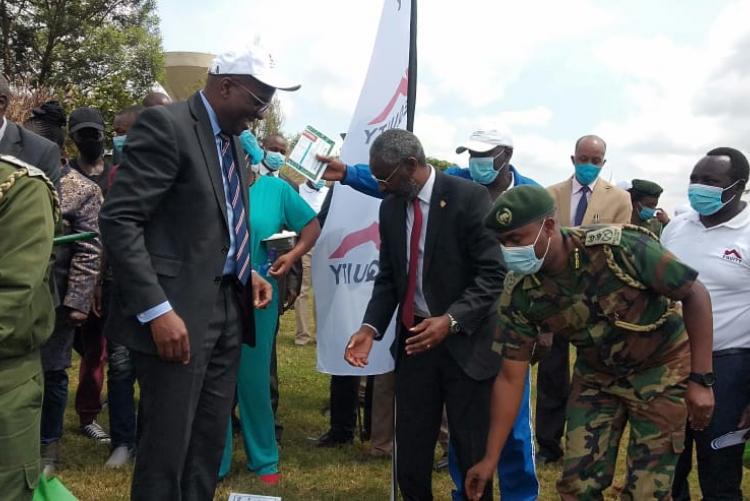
308 473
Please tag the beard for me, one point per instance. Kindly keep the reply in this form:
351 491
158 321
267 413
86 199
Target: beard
408 190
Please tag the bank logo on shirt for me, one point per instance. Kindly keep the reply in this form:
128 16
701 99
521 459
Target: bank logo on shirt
732 255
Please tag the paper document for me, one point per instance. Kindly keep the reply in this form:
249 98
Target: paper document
236 496
302 159
730 439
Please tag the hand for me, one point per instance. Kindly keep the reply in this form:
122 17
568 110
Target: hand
335 168
171 338
282 265
700 404
359 346
262 291
477 478
77 318
662 217
429 333
96 307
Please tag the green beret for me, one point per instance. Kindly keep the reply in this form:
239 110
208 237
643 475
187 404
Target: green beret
648 188
518 207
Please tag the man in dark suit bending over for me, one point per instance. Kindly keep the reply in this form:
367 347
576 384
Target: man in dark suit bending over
440 268
175 227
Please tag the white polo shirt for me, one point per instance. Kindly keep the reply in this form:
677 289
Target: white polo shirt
721 255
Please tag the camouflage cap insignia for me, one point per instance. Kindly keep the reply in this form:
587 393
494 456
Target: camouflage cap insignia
504 217
609 235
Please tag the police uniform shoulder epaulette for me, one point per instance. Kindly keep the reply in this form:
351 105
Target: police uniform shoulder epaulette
17 162
604 235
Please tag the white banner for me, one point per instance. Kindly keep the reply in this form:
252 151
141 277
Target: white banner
345 261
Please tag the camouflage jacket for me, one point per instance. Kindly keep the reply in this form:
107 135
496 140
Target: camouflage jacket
77 265
653 225
614 303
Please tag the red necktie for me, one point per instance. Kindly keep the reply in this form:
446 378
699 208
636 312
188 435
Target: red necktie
407 312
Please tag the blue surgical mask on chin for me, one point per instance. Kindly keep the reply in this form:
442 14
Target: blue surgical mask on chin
587 173
482 169
706 200
274 160
646 213
523 260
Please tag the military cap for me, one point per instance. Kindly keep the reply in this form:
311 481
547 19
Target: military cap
518 207
648 188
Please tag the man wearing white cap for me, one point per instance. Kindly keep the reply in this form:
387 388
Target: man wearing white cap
175 227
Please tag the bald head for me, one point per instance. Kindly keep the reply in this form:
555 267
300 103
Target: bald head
275 142
156 99
590 149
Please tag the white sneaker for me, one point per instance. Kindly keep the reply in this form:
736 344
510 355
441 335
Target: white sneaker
95 432
121 455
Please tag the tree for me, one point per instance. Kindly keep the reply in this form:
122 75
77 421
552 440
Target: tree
102 53
439 164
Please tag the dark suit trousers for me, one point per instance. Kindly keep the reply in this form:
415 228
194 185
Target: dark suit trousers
553 387
186 410
424 383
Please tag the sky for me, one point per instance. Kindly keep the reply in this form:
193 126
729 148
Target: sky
661 81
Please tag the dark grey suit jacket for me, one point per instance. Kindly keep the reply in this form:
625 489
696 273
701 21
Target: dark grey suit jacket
32 149
462 271
164 224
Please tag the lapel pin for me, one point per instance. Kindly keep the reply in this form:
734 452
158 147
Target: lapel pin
443 204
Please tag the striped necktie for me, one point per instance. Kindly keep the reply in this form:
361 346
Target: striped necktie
241 234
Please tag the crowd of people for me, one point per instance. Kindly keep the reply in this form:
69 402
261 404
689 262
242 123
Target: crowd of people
170 280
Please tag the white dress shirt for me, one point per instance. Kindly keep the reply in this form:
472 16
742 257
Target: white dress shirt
2 128
424 196
721 255
575 197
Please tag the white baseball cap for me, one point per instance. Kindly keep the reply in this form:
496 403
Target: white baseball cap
255 61
482 140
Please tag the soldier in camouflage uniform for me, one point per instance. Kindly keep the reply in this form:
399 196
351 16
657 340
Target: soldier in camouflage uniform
644 195
28 211
611 291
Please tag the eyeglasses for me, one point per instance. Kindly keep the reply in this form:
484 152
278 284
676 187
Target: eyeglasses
386 180
264 105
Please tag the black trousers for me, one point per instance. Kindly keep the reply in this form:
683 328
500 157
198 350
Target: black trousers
719 471
344 395
553 387
186 411
424 383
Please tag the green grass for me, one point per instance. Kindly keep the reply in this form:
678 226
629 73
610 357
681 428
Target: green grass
308 473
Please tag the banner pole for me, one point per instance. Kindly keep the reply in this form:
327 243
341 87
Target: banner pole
411 96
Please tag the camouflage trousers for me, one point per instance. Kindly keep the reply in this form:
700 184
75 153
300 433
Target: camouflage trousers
596 419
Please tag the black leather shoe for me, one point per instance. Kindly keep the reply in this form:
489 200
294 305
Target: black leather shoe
331 439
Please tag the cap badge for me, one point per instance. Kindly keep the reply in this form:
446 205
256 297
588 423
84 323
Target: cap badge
504 217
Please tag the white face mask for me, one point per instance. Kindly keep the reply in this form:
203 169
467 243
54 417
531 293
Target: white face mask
523 260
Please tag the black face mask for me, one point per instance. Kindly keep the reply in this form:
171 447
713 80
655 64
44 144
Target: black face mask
90 149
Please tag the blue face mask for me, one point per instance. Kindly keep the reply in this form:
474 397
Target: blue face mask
706 200
118 142
274 160
646 213
586 173
251 147
482 169
523 260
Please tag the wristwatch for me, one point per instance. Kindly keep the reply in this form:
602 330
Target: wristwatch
708 379
455 327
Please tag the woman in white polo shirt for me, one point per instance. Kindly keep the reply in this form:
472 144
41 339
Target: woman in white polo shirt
715 240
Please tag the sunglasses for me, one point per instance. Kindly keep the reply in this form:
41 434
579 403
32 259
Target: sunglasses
263 105
385 181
